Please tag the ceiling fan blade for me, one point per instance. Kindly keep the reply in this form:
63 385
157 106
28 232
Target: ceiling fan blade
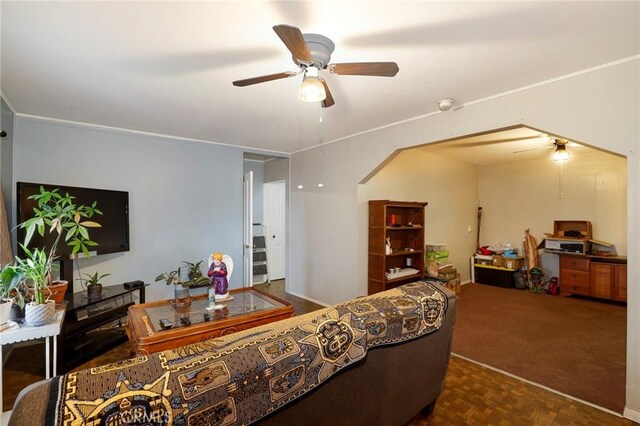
264 78
533 149
328 101
293 39
493 142
378 69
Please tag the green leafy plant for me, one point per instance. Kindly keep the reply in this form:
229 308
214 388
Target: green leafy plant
171 277
61 215
193 272
94 279
36 269
175 277
11 285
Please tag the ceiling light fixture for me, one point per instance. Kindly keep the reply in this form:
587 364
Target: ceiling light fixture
312 89
561 153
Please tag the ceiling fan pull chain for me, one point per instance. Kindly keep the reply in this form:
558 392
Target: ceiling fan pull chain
560 181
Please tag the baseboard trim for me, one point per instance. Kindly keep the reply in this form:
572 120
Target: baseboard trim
632 415
506 373
326 305
465 282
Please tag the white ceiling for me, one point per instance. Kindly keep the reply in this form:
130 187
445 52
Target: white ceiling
167 67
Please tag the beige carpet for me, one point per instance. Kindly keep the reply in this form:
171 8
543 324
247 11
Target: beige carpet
575 346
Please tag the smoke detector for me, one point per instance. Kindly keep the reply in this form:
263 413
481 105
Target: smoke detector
446 104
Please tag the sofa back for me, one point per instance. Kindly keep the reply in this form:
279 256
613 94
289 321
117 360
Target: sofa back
243 377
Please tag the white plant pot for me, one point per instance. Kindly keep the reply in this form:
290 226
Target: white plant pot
37 315
5 311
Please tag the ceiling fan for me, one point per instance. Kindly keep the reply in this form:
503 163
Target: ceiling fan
560 145
311 53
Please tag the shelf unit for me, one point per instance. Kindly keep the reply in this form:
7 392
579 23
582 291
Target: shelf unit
92 326
407 242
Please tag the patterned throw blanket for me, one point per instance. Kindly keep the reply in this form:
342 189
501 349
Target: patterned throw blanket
240 378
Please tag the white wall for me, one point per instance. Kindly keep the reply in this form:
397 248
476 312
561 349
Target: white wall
185 199
600 107
257 167
6 155
449 186
526 194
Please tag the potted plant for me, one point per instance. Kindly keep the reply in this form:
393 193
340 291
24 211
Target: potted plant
60 214
11 279
93 284
194 273
35 268
181 287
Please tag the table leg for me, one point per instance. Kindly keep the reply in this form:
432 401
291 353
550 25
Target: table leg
1 401
55 356
47 360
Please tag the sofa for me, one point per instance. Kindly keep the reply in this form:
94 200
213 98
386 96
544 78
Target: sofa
375 360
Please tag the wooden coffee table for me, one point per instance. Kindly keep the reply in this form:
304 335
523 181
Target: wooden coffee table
249 308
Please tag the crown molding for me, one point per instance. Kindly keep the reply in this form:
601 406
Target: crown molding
8 102
121 130
477 101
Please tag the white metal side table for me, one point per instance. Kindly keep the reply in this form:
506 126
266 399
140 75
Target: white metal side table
21 333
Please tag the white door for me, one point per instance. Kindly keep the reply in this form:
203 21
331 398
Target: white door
248 230
275 223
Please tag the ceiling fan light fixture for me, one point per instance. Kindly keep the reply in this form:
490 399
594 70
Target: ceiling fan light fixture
312 89
561 153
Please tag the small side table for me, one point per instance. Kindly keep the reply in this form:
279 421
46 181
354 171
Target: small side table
23 333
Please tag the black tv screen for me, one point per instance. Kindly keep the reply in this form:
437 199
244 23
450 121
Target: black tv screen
112 236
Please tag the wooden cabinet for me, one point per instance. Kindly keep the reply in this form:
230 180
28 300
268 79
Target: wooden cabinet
575 275
595 276
620 283
402 223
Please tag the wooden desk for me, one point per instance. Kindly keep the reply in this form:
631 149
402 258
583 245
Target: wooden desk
249 308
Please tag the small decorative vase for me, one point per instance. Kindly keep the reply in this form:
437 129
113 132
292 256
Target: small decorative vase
5 311
181 295
17 313
94 291
40 314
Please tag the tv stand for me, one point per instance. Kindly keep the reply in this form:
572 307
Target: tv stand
94 325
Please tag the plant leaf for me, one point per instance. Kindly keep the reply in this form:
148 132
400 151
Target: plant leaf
90 224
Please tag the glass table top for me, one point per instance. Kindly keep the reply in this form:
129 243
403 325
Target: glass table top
243 303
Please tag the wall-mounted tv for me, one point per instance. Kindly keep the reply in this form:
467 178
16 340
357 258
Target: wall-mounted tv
112 237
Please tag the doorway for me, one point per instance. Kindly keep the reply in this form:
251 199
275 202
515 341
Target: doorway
512 174
275 227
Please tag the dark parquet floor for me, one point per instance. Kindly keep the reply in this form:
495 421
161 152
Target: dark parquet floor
473 395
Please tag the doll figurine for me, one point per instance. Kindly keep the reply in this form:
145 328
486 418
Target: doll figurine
218 274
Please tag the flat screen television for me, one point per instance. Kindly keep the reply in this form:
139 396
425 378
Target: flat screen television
112 237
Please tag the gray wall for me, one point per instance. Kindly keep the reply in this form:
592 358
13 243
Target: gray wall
6 156
185 199
257 167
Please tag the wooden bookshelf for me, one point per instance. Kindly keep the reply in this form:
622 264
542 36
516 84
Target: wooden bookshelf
406 233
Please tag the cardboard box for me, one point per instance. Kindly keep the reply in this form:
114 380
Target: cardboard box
497 261
560 227
481 259
513 262
560 242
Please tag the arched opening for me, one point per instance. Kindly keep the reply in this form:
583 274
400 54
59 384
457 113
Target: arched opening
559 342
